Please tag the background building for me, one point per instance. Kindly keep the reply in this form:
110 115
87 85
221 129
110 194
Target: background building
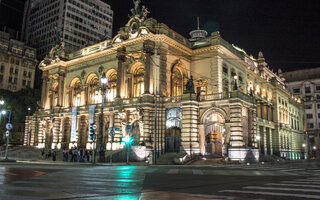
79 22
213 98
17 63
305 84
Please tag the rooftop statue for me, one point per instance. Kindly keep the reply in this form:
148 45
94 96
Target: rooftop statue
140 12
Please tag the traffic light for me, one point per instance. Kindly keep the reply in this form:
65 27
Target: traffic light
91 131
127 139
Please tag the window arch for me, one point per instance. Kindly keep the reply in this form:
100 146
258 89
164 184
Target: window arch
54 94
176 82
75 89
94 96
112 84
138 81
250 87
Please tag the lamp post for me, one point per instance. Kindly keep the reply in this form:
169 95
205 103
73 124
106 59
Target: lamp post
258 140
104 87
235 82
3 112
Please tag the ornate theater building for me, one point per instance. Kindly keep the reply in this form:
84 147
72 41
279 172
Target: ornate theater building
199 96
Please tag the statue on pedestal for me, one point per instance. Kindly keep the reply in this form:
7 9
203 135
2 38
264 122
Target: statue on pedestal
190 86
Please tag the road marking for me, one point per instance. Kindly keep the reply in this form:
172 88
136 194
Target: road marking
150 170
213 196
307 180
173 171
297 185
273 194
301 182
285 189
197 171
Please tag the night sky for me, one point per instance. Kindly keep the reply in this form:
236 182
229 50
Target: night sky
287 31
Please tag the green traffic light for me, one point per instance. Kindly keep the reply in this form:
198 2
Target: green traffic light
127 139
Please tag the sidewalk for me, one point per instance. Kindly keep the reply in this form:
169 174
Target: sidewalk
50 162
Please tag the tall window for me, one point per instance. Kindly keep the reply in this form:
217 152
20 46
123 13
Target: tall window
138 81
76 93
93 90
177 83
112 86
54 94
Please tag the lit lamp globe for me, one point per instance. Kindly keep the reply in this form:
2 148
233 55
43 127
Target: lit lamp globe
104 80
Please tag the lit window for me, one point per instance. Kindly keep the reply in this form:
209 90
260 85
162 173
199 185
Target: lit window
138 81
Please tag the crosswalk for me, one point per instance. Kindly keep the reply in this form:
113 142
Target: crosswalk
88 183
307 188
259 171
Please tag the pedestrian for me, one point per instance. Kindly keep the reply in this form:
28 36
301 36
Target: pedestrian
42 153
74 152
54 154
49 154
71 154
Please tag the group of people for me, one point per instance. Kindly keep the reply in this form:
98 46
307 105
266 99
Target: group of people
77 155
72 155
49 154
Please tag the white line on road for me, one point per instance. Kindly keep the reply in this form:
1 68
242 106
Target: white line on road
284 189
311 180
274 194
208 196
173 171
301 182
150 170
197 171
297 185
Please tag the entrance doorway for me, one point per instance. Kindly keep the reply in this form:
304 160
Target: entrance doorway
214 134
173 130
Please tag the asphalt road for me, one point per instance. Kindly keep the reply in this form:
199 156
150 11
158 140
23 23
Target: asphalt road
299 180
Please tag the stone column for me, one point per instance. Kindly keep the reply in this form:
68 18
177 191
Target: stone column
189 131
118 135
56 131
147 131
148 47
61 86
202 139
120 74
236 136
44 89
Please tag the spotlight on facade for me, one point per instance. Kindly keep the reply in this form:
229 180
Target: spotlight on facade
29 109
258 137
3 112
303 145
314 147
1 102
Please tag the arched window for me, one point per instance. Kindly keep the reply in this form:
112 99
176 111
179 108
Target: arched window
76 92
94 96
138 81
250 87
112 83
54 94
177 82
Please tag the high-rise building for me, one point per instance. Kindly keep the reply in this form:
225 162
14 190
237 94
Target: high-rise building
78 22
305 84
17 63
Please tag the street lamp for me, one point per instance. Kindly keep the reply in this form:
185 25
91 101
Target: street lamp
104 87
235 82
258 140
3 112
1 102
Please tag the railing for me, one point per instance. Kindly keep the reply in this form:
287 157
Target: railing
173 99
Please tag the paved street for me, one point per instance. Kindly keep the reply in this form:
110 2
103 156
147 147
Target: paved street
68 181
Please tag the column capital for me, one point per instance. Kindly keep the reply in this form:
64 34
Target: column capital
121 54
148 46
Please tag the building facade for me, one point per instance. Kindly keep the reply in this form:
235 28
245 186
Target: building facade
79 23
200 96
17 64
306 85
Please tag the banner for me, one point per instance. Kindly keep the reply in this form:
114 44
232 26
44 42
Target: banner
91 117
74 125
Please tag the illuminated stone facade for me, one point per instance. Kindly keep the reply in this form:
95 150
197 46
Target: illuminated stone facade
222 117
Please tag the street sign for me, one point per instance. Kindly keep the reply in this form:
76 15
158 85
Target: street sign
128 128
94 126
112 133
116 128
94 137
7 133
9 126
